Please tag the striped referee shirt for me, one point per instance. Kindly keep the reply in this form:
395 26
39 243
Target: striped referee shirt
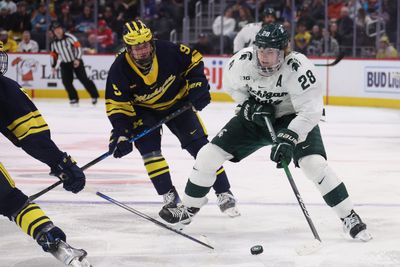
68 49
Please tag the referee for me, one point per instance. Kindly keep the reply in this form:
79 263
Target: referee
67 47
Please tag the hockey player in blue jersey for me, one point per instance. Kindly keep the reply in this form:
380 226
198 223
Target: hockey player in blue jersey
147 81
22 124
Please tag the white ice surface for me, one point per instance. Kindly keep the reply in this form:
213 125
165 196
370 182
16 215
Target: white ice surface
363 146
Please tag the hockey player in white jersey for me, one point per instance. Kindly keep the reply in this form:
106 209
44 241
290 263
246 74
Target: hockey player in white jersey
245 37
270 80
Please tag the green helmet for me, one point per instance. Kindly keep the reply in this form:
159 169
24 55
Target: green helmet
272 36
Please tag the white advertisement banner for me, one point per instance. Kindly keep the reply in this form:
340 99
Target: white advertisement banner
382 79
351 78
33 71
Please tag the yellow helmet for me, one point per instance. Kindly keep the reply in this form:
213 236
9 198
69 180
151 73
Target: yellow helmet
3 59
136 32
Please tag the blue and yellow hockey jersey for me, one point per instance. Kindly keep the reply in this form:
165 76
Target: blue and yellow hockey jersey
22 123
176 70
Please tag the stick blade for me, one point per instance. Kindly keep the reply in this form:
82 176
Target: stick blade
309 248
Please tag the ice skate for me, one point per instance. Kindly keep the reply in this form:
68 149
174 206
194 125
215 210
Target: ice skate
353 226
227 204
70 256
171 198
51 238
74 102
178 215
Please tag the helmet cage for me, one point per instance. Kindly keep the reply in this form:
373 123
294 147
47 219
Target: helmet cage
135 33
268 60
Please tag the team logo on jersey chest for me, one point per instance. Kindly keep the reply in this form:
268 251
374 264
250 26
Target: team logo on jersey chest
266 96
160 90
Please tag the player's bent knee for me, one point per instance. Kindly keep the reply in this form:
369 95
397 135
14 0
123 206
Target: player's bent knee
210 158
194 147
313 166
12 202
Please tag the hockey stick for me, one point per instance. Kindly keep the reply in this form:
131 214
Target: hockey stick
333 63
317 241
108 153
147 217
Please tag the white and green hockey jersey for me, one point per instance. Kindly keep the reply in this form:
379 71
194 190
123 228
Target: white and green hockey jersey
293 89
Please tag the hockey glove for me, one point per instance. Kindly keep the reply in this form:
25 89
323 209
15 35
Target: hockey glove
282 149
254 111
199 97
72 176
119 143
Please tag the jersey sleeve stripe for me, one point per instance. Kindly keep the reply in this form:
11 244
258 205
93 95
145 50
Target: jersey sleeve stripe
28 124
113 107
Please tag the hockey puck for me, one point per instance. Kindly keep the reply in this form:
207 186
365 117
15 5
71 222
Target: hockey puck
257 249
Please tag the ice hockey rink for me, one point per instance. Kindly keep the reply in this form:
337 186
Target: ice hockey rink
363 146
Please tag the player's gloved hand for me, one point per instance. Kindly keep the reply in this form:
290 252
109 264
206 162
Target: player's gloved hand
72 176
256 112
200 97
282 150
119 143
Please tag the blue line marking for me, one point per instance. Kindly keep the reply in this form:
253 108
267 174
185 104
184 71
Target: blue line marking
280 204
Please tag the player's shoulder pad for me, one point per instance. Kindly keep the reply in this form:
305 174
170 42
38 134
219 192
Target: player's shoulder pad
165 46
119 62
252 25
241 59
297 62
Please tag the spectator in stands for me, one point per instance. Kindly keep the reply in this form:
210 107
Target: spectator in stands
9 5
332 46
150 11
65 19
162 25
386 49
103 36
229 24
110 18
9 45
85 22
302 39
204 45
287 11
333 30
39 23
317 10
345 30
174 8
334 8
241 11
227 31
314 48
27 44
4 18
20 21
244 17
305 17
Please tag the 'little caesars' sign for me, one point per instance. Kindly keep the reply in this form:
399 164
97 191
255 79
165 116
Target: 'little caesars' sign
382 79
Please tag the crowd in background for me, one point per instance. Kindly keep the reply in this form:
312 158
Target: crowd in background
24 24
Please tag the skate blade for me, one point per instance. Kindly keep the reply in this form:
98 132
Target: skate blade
232 212
364 236
309 248
80 263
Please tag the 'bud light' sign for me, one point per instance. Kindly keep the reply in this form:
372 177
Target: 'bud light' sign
382 79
